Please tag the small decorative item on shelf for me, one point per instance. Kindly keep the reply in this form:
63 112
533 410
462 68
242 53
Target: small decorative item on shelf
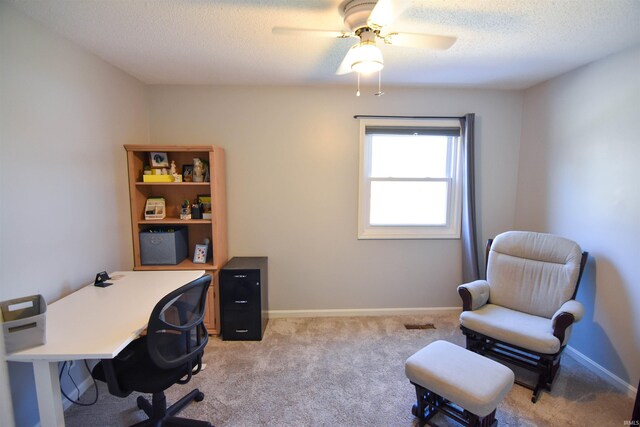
156 175
196 211
176 176
158 160
200 252
154 208
185 210
198 170
207 177
205 204
187 173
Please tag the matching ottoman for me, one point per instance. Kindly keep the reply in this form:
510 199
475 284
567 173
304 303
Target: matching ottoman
457 382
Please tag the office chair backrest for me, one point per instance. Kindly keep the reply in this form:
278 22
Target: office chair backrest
533 272
176 334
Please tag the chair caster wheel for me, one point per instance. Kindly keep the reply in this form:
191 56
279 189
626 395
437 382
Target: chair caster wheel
414 410
199 397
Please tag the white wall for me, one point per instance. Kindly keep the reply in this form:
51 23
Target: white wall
578 177
292 165
64 117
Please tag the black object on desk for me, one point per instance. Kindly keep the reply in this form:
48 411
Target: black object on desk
101 280
244 299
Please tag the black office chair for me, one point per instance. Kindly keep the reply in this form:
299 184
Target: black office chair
170 353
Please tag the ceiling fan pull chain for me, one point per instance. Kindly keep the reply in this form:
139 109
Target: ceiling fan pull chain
380 92
358 91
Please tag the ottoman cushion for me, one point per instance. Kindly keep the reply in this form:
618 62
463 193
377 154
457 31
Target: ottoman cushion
472 381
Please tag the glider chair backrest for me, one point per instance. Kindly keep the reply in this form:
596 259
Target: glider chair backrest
534 273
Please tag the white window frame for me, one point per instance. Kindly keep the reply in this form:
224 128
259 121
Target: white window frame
451 230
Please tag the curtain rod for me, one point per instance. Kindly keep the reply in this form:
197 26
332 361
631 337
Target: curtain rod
361 116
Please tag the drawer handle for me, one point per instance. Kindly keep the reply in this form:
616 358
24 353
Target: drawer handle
242 331
241 301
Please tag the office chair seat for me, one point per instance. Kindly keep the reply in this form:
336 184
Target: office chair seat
137 372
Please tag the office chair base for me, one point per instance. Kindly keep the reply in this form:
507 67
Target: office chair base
160 415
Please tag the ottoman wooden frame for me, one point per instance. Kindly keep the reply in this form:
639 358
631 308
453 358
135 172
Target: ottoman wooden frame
460 384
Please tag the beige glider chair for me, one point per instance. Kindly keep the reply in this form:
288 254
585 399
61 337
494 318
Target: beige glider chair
523 312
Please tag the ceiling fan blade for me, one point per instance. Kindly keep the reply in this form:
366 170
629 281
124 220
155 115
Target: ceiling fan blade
386 11
345 65
430 41
287 31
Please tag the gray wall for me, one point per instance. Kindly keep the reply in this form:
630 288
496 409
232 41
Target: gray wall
65 211
292 182
579 177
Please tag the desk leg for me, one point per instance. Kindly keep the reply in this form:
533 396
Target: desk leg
48 391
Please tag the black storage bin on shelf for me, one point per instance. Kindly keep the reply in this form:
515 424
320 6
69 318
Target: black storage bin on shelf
163 245
243 299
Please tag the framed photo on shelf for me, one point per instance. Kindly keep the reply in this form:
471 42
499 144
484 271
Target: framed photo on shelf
187 173
158 160
207 177
200 254
205 203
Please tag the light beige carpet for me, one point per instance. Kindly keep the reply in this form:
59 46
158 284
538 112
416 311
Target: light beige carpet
349 372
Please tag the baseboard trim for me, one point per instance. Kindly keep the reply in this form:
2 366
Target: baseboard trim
359 312
83 386
602 372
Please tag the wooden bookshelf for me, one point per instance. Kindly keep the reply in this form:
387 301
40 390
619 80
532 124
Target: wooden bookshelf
174 193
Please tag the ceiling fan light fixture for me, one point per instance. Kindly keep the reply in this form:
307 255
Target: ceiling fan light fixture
367 58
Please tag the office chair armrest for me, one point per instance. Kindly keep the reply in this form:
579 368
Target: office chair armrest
193 370
108 370
474 294
111 378
570 312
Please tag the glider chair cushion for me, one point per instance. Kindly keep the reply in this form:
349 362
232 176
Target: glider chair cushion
523 312
521 329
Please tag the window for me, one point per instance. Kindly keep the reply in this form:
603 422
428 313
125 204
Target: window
409 179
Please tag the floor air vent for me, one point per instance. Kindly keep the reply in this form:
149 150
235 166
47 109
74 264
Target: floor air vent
422 326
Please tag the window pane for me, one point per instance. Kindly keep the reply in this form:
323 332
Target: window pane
408 203
409 156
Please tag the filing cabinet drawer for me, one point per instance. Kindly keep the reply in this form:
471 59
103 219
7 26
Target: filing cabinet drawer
237 326
241 290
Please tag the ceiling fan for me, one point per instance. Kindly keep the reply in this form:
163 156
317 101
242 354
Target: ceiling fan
368 20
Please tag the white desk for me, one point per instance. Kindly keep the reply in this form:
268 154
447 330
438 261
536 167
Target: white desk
95 323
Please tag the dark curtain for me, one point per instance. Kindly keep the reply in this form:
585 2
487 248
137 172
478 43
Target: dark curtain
470 270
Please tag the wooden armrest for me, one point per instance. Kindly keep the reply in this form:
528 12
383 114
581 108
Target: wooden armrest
466 298
563 321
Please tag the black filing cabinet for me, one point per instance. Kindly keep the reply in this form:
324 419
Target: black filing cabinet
243 299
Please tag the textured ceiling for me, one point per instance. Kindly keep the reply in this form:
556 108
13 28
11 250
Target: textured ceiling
501 44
